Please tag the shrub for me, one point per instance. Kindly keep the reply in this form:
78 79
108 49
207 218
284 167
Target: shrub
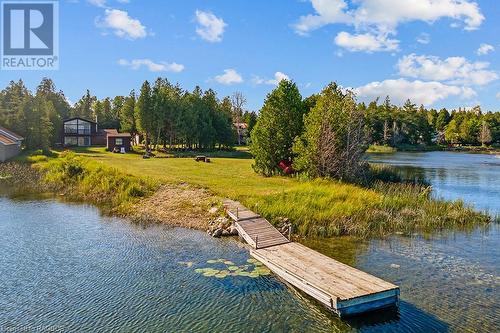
83 179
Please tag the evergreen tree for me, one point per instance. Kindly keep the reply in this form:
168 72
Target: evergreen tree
127 114
279 123
83 108
144 116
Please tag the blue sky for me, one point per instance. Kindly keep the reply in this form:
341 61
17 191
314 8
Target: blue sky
437 52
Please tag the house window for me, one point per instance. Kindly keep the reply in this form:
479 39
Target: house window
119 141
83 141
70 141
83 127
77 126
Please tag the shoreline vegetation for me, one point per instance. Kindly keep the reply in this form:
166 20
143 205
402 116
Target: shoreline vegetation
385 149
181 192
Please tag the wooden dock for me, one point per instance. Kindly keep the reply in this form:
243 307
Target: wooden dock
343 289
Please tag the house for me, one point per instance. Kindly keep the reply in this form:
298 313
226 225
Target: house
241 132
10 144
119 142
79 132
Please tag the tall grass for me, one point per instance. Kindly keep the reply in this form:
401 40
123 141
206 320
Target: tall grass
325 209
378 149
80 178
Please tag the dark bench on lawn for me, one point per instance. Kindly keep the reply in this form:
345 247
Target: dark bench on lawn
202 159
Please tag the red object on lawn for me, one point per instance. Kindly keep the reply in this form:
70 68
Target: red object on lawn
286 166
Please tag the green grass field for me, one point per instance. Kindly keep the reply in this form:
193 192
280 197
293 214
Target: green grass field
317 208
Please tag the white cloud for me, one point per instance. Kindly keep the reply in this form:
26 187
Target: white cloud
455 70
382 17
386 15
122 24
278 77
136 64
485 49
229 77
419 92
98 3
327 12
210 27
365 42
424 38
498 95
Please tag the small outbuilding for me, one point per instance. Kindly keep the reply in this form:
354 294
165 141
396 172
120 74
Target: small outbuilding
118 142
10 144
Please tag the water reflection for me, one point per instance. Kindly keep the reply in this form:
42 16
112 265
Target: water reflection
448 281
473 178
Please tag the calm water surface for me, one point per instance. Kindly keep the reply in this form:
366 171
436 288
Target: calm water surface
474 178
65 268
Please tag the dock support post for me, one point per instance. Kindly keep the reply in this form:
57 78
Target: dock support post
256 242
237 214
290 232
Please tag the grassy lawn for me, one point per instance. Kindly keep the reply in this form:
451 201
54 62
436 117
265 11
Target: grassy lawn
224 176
317 208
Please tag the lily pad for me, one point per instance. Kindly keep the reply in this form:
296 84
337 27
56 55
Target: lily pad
211 273
233 268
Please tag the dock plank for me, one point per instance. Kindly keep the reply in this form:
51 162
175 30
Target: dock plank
342 288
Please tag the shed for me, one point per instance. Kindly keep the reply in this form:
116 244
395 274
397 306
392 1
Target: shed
117 141
10 144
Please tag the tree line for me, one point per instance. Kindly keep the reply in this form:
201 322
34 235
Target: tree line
391 125
162 114
326 134
166 115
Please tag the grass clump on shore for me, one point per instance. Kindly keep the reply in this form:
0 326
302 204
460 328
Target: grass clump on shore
324 209
378 149
80 178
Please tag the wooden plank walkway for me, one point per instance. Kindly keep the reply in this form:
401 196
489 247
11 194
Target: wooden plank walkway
343 289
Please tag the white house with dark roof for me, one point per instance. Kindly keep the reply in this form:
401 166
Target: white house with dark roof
10 144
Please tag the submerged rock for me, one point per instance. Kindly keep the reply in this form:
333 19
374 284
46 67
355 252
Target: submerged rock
217 233
233 231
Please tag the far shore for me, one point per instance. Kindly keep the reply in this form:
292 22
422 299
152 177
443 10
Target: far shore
384 149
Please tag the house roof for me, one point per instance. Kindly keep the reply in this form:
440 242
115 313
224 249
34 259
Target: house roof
79 118
110 131
119 135
10 134
6 140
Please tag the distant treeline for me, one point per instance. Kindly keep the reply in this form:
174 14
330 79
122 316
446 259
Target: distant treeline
163 114
392 125
167 115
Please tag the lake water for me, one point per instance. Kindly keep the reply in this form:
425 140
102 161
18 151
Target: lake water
65 268
474 178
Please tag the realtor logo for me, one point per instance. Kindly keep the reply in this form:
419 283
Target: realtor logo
30 35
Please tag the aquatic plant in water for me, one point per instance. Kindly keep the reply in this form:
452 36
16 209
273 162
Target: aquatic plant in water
225 268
